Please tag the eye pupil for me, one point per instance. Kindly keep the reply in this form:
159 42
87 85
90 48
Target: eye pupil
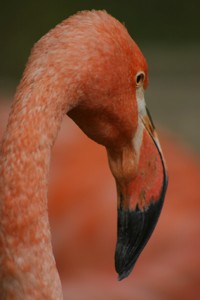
140 79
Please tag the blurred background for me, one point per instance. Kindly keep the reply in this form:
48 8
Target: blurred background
168 33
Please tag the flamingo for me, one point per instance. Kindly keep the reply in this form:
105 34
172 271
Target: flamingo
89 68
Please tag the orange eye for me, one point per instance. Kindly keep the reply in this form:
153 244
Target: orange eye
140 79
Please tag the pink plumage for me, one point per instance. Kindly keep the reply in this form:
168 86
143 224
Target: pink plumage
89 68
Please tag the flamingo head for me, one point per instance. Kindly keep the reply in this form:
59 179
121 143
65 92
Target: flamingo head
113 112
93 60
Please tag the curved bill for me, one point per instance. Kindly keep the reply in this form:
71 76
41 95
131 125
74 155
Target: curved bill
141 196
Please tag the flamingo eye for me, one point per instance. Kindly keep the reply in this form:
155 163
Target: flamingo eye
140 78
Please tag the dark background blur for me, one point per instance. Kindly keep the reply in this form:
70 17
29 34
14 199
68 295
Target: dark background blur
168 32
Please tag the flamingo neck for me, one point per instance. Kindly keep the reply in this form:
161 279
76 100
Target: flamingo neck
27 265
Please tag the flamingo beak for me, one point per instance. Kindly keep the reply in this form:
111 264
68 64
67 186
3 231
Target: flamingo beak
140 197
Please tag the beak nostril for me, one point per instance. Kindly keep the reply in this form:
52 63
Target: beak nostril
140 78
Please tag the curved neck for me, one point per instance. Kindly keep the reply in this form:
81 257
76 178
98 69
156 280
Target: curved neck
27 265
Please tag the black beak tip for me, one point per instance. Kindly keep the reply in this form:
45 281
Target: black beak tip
134 230
124 274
